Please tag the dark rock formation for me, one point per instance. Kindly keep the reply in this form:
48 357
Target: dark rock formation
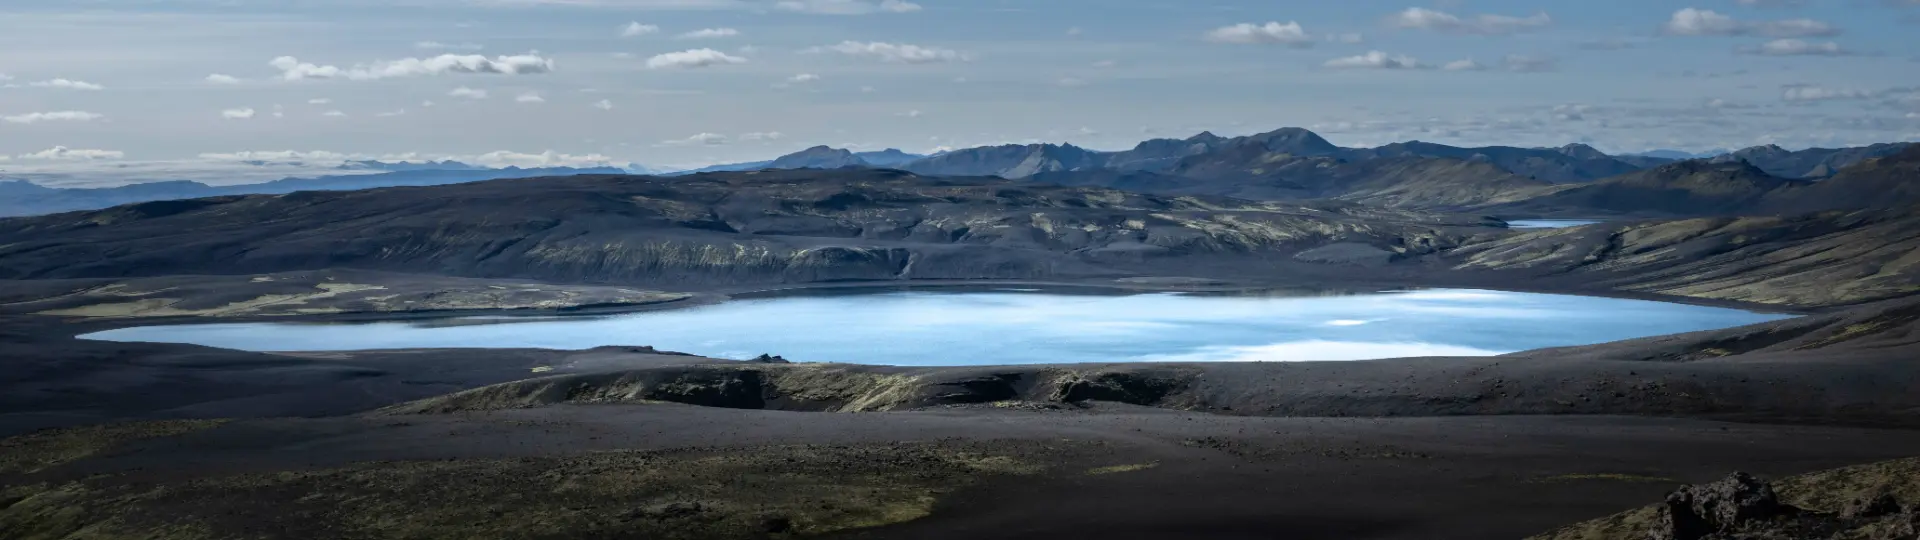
1696 512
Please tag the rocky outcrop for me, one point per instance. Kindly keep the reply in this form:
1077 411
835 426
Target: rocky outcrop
1742 507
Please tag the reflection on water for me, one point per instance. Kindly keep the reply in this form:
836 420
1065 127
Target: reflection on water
1007 325
1548 223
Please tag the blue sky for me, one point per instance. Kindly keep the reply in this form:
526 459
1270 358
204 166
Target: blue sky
130 85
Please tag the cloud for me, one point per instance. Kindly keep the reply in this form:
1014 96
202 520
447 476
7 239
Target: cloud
530 97
334 114
1701 22
237 114
66 84
762 136
1819 93
448 46
5 77
704 139
293 69
1375 60
1771 3
62 153
389 114
549 158
847 7
1795 47
636 29
222 79
1609 44
710 33
1528 64
693 58
803 78
469 93
53 116
319 101
1464 65
1290 34
604 105
912 114
498 158
1490 25
900 53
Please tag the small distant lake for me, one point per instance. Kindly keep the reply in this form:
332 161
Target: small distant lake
1548 223
1024 326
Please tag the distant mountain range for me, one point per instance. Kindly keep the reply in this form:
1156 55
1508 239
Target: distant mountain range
19 198
1284 164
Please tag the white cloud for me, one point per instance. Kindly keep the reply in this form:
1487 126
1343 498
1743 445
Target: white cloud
710 33
223 79
66 84
1375 60
62 153
241 113
1528 64
1818 93
1463 65
604 105
803 78
847 7
279 156
530 97
893 52
293 69
762 136
693 58
469 93
319 101
912 114
1485 24
5 77
1290 34
53 116
333 114
1795 47
1701 22
448 46
705 139
549 158
1071 82
636 29
393 113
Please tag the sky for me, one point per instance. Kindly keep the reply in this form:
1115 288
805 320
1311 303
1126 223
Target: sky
150 89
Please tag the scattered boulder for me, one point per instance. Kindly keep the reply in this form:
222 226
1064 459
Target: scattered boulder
1696 512
769 359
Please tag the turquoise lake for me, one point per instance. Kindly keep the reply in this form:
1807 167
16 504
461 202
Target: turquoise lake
984 326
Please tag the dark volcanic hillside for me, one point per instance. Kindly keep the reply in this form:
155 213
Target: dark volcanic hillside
1569 164
1812 162
1684 188
754 227
1821 259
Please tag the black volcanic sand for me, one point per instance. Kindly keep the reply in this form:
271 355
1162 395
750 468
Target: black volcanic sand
1109 471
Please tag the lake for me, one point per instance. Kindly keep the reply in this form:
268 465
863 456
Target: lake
988 326
1548 223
